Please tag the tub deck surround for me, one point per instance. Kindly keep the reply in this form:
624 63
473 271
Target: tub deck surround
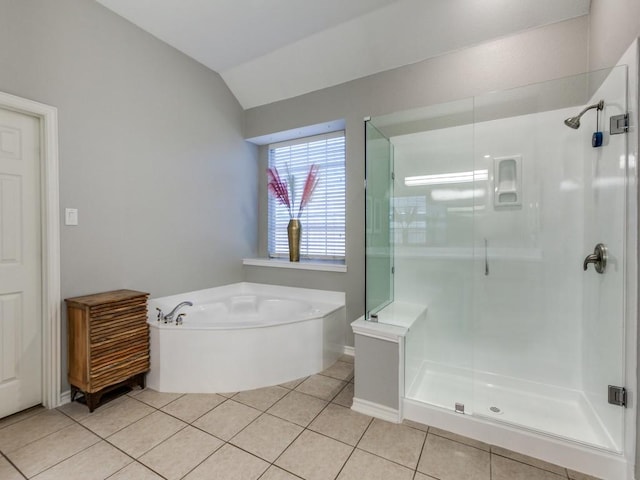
244 336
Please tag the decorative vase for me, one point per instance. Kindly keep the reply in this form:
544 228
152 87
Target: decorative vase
294 231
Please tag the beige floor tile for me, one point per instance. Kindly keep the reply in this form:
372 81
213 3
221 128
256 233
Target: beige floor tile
347 358
573 475
341 423
79 411
193 405
261 398
181 453
135 471
416 425
229 463
156 399
276 473
503 468
31 429
227 394
339 370
37 456
227 419
8 472
18 417
534 462
398 443
459 438
314 457
267 437
136 390
141 436
363 465
422 476
293 383
298 408
106 422
321 386
345 397
449 460
95 463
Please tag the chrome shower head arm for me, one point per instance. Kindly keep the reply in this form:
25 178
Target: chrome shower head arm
574 122
599 106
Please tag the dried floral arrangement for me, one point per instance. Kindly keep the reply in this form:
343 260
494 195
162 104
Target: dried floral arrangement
284 191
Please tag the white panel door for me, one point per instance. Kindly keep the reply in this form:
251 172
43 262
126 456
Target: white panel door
20 263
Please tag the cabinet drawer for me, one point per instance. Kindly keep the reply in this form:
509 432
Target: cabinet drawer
111 315
110 356
131 330
100 331
116 307
119 372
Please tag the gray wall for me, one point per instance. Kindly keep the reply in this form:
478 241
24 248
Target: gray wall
549 52
151 151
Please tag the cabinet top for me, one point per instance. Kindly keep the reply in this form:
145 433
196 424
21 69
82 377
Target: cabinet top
105 298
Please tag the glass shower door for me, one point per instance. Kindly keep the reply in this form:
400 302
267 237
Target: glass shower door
379 190
549 335
606 171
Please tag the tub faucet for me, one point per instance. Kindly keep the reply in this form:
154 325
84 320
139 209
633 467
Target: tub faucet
168 318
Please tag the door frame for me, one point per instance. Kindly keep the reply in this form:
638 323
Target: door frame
50 241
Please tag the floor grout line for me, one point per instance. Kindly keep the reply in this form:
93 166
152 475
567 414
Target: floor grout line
347 382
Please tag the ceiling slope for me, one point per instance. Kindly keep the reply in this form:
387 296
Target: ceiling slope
270 50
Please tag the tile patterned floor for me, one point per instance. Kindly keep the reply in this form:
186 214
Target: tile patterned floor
302 429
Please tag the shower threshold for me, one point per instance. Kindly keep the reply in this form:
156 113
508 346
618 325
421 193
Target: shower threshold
534 406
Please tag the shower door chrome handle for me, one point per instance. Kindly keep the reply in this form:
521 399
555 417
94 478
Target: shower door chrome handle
598 258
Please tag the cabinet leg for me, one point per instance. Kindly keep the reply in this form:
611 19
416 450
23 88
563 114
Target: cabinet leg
74 392
93 399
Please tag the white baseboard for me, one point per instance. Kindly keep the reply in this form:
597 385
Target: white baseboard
376 410
347 350
65 397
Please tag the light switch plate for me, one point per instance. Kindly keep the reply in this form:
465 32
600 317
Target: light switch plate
71 216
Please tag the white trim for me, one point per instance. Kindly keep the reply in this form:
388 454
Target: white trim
48 117
347 350
545 447
65 397
376 410
302 265
380 331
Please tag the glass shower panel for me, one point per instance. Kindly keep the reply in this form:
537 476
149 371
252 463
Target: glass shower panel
379 190
549 197
433 207
603 300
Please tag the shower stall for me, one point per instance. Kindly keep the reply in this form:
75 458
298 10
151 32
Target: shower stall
486 213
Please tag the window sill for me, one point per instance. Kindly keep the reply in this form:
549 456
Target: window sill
319 265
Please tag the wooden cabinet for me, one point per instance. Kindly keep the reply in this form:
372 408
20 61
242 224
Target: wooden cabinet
108 342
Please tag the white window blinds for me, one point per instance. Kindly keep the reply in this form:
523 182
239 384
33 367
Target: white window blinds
323 218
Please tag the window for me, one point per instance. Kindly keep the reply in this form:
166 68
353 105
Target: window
323 219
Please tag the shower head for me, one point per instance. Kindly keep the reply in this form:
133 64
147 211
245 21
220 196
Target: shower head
574 122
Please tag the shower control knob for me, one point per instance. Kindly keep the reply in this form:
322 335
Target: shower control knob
598 258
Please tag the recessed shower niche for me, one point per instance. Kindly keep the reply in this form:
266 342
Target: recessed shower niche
507 178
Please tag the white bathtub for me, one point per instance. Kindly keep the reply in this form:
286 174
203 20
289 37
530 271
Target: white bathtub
244 336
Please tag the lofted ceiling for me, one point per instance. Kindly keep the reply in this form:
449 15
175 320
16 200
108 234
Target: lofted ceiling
270 50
